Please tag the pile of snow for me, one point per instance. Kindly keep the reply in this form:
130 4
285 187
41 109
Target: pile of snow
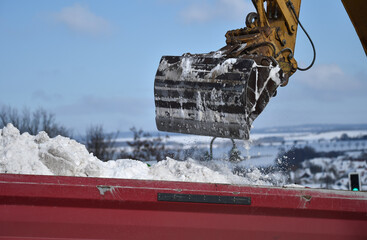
41 155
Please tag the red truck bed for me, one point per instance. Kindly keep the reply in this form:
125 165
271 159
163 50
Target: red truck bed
54 207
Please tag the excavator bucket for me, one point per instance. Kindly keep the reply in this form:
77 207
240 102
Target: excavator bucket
211 95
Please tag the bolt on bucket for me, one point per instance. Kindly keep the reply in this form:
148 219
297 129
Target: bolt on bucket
213 96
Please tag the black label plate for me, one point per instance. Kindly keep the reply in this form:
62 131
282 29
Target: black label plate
193 198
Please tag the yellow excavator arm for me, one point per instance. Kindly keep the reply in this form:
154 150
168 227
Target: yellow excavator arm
357 11
271 31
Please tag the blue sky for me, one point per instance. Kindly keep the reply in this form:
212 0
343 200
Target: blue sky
94 62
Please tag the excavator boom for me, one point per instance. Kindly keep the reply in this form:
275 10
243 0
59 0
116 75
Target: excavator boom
357 11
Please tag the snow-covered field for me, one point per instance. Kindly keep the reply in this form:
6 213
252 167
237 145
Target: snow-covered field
263 148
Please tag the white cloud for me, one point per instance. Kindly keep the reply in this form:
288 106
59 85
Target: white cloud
195 13
203 11
80 19
328 77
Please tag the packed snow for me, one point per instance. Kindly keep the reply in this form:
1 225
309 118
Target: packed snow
222 68
42 155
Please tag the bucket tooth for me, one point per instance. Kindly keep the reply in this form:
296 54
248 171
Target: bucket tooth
211 96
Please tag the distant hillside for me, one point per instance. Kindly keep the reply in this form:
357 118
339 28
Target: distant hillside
314 128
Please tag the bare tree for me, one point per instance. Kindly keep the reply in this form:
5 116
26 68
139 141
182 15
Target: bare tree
101 144
145 147
32 122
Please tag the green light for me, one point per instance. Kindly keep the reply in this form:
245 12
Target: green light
355 189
